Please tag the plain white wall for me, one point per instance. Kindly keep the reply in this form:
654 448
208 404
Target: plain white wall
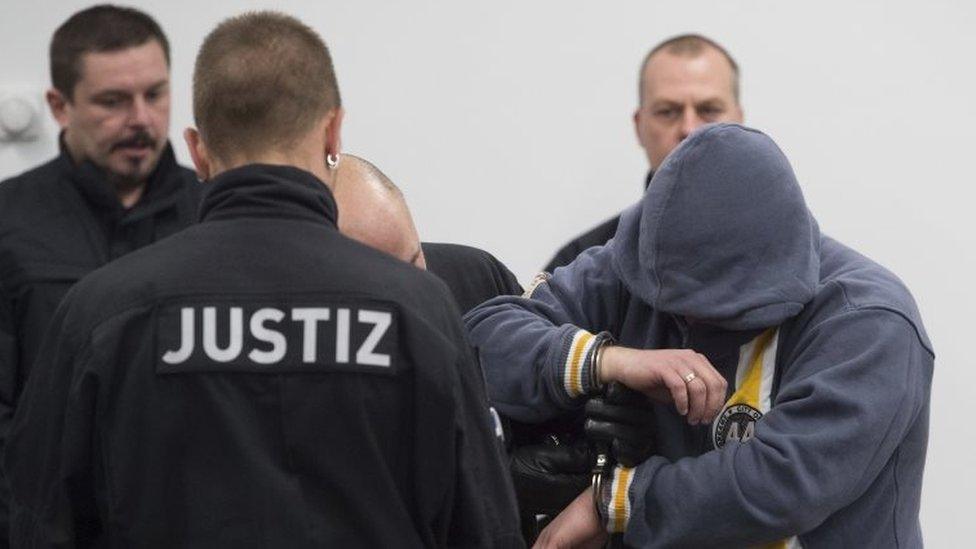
508 126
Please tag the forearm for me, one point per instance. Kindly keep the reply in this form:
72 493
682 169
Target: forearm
537 351
843 410
534 369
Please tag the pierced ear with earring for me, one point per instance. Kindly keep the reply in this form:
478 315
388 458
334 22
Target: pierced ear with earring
332 161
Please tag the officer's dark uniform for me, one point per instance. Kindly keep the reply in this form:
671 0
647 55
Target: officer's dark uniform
597 236
473 275
59 222
259 380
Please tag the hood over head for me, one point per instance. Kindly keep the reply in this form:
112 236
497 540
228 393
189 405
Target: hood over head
722 235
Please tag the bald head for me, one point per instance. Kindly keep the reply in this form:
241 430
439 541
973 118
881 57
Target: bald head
373 211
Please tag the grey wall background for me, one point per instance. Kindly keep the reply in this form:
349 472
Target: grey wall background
508 126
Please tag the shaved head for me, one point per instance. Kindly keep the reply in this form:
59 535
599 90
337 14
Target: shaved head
685 82
689 45
373 211
262 80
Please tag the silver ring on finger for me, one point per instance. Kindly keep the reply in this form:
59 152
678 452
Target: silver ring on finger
690 377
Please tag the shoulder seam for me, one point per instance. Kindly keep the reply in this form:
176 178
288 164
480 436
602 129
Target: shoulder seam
850 306
879 307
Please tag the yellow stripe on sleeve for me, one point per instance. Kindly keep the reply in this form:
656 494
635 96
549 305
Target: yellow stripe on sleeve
619 511
574 363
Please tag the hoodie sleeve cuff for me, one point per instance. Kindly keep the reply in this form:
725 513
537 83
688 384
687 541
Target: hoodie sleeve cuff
578 355
614 500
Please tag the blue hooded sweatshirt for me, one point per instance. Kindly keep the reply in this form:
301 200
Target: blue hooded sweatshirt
822 440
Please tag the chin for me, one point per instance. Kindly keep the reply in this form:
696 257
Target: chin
129 173
143 168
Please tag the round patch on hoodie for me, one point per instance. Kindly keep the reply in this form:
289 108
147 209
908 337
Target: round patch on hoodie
737 423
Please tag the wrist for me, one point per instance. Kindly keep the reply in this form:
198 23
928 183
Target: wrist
596 383
613 501
579 363
609 365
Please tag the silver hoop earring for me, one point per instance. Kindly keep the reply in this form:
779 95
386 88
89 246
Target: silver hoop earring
332 161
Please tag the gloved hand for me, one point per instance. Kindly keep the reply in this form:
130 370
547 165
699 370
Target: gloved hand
548 476
622 419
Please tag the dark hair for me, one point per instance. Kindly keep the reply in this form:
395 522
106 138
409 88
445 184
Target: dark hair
99 28
262 80
689 45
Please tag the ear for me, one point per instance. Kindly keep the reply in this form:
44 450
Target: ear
59 106
638 115
198 152
740 115
333 133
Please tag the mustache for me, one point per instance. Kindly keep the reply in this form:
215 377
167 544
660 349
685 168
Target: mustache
141 138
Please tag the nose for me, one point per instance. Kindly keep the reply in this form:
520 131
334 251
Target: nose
690 121
140 113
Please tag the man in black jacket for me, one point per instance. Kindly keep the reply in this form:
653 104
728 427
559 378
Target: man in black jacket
115 186
375 212
685 82
259 379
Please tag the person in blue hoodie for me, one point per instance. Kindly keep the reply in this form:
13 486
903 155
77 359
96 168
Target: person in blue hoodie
818 438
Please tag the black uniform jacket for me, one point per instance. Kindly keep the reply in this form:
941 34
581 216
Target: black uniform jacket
597 236
59 222
258 380
473 275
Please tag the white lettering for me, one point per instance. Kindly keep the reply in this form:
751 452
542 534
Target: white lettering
236 342
271 343
381 321
310 317
733 433
279 345
186 339
749 432
342 336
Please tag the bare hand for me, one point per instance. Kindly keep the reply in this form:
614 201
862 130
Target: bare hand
577 526
662 375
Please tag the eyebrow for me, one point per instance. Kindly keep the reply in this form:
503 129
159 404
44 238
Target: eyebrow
160 84
670 103
116 91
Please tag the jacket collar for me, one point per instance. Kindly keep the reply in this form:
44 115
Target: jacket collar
162 185
264 190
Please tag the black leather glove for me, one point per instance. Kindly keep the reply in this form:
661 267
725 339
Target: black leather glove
622 419
548 476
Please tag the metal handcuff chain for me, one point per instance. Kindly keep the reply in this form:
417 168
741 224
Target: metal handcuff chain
603 451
